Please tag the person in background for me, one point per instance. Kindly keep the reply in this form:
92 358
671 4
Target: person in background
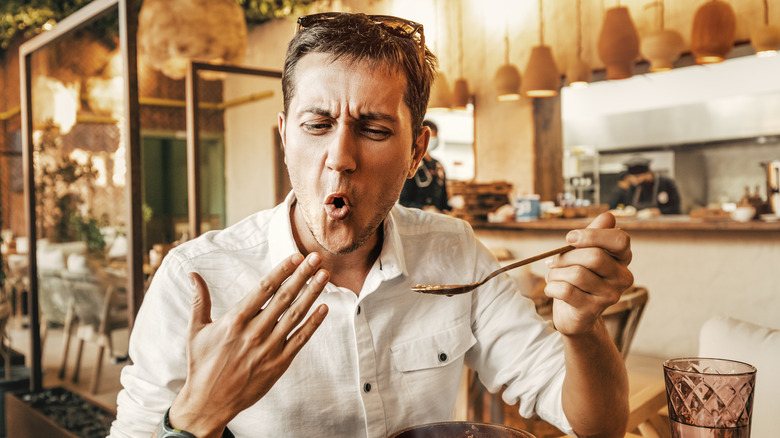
300 321
642 188
428 189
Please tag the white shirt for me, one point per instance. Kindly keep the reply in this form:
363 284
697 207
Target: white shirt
383 360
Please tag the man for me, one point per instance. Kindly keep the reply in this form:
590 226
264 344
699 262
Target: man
428 188
642 188
299 321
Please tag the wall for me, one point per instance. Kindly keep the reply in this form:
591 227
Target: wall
250 129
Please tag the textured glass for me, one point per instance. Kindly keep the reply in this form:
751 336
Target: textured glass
709 397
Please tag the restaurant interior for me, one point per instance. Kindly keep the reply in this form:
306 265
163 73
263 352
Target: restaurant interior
128 127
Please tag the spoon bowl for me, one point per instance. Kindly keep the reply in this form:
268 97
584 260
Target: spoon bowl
457 289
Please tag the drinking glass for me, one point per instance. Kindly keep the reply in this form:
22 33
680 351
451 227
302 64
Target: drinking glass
709 398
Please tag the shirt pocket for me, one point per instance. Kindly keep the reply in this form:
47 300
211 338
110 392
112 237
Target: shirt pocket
433 351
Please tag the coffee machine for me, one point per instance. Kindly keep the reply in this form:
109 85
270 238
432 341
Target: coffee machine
773 185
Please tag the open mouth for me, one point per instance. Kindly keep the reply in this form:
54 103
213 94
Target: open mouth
337 206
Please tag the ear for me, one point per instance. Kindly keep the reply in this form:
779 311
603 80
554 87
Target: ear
419 149
281 125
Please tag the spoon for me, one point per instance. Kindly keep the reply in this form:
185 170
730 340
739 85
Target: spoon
456 289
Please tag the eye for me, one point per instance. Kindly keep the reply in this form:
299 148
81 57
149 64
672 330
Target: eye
374 133
316 127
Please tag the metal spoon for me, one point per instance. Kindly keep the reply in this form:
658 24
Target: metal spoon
456 289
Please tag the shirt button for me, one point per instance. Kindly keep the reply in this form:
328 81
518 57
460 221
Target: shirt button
358 310
367 387
442 357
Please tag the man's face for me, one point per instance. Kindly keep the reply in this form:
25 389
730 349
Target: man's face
348 148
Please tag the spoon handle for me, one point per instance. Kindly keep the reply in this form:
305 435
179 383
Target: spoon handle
535 258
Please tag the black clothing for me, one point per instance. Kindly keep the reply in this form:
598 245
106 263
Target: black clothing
427 187
660 193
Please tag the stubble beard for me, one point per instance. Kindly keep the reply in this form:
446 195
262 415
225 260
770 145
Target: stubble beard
382 206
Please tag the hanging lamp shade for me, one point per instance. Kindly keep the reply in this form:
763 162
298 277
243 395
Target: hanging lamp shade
618 44
441 96
541 73
766 40
714 28
460 93
579 74
172 32
662 48
507 82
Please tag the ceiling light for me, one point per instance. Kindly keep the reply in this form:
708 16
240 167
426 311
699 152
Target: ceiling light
714 28
579 73
618 43
766 39
541 73
664 47
507 79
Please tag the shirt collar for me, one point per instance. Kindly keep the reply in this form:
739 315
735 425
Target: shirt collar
280 236
391 262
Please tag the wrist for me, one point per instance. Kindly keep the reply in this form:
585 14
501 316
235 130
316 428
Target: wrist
201 422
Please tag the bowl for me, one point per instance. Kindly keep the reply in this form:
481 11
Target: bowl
743 213
461 429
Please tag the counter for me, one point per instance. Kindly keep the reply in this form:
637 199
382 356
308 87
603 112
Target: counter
693 269
662 223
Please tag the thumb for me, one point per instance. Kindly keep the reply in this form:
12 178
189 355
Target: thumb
201 304
604 220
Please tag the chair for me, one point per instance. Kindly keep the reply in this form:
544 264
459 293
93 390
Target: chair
56 308
5 347
730 338
100 307
621 320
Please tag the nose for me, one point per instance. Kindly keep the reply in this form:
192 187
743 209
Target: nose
342 151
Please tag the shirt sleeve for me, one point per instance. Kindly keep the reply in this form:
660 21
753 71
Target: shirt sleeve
517 349
157 353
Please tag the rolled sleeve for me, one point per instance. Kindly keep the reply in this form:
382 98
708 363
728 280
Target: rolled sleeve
157 354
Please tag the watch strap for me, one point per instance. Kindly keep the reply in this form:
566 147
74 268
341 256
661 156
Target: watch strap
165 430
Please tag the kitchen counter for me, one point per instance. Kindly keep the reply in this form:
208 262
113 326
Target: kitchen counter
693 270
662 223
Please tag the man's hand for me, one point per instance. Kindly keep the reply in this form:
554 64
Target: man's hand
590 278
235 360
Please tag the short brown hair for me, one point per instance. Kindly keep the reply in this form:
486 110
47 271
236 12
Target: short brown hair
357 37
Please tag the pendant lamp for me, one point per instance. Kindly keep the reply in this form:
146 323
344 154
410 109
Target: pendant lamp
172 32
766 39
507 79
618 43
541 73
460 95
664 47
714 28
441 95
579 74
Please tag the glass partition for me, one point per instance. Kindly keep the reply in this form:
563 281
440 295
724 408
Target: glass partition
81 155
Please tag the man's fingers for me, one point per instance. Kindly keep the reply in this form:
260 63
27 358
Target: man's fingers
604 220
253 302
201 303
602 234
292 287
297 340
296 312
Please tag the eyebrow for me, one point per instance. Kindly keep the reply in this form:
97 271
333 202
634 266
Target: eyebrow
371 116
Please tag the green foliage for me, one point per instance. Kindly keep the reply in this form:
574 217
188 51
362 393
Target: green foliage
260 11
88 230
26 18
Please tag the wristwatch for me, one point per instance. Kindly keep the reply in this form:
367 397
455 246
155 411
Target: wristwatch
165 430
